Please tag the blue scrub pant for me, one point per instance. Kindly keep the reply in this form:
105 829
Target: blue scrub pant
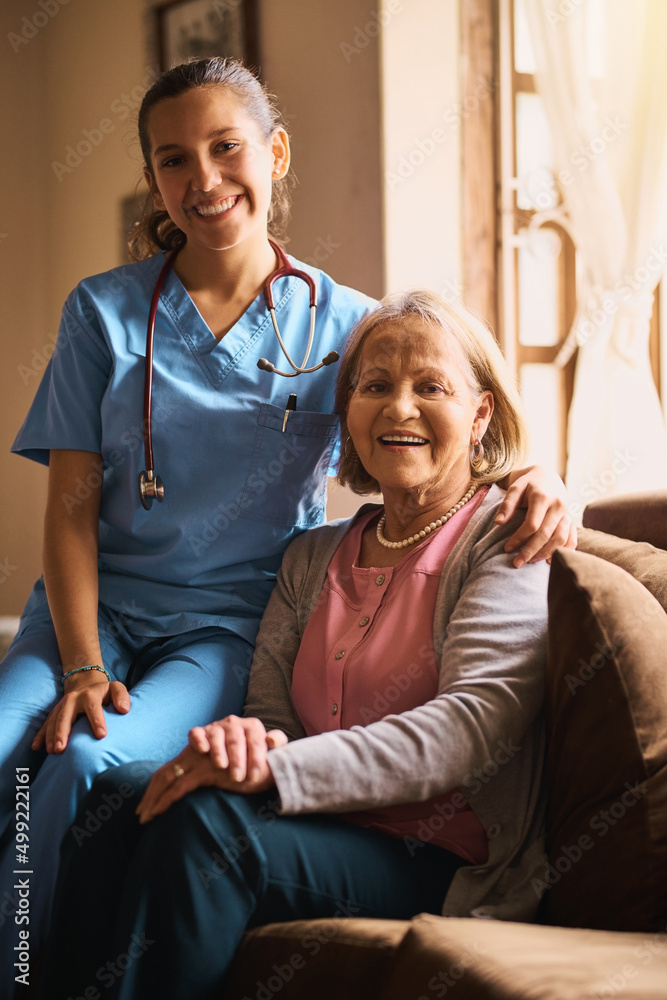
175 684
159 910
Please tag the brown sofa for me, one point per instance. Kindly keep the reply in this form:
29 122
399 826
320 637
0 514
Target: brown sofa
603 918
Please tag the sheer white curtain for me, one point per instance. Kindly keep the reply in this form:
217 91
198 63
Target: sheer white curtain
603 81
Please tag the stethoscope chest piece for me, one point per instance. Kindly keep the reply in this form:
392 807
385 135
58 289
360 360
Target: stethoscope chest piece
150 489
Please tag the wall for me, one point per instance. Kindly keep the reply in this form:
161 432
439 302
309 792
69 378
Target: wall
331 100
421 145
82 70
62 221
22 293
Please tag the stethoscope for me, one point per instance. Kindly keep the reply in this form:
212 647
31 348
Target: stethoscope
151 486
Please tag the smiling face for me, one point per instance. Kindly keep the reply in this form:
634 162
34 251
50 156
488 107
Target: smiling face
212 168
413 413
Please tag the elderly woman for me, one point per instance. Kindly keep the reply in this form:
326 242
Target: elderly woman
390 755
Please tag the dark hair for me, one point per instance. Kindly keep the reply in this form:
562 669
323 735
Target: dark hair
505 440
155 230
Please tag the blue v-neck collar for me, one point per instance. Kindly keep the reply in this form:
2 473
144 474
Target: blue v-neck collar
215 357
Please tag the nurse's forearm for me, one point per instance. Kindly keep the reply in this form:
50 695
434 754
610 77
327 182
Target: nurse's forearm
71 532
537 475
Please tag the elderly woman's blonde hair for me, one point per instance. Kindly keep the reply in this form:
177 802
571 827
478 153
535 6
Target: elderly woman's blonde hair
506 438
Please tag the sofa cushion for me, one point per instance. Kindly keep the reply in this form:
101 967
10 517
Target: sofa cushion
324 959
606 768
470 959
639 516
643 561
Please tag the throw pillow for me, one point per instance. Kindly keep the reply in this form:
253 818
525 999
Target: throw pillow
643 561
606 767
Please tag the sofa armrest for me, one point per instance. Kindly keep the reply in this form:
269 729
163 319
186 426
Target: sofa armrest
641 517
471 959
327 959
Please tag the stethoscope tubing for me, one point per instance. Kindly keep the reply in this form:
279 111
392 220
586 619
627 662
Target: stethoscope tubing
148 370
298 369
286 271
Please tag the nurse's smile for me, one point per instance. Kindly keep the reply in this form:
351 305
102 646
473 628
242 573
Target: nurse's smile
212 209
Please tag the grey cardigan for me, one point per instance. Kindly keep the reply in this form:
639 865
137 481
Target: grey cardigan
483 731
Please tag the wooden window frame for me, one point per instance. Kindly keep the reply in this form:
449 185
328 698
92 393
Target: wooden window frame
489 216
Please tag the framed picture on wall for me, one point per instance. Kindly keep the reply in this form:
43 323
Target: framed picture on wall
196 29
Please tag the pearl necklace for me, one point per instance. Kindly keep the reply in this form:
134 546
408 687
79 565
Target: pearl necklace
433 526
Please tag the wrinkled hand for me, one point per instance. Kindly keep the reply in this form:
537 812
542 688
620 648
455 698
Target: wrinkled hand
230 754
547 525
82 697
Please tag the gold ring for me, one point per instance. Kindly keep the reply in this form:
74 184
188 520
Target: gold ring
178 771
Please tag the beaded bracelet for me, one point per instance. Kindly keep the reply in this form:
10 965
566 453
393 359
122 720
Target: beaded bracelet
93 666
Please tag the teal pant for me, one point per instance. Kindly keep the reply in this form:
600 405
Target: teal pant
158 911
175 683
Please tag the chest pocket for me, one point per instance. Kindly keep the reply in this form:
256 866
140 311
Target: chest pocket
287 481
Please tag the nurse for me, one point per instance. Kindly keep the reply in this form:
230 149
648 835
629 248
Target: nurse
143 624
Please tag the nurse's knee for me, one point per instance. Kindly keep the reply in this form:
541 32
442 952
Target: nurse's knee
85 756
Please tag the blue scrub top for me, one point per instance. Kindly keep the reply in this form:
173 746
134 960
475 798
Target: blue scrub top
237 489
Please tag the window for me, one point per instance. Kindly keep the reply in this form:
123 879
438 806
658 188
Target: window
519 261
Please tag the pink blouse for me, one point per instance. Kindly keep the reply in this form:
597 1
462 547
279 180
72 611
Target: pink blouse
367 651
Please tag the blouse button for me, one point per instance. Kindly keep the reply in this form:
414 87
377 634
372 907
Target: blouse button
379 579
364 620
334 708
340 654
493 830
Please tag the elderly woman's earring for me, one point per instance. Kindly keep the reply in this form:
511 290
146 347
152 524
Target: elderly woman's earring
476 455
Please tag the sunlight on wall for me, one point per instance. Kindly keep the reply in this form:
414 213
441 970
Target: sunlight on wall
421 125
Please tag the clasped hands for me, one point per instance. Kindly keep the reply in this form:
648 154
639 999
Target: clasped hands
231 754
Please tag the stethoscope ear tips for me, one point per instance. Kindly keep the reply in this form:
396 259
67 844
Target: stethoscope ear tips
330 359
150 489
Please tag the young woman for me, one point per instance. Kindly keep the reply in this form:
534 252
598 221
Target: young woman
163 599
390 758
